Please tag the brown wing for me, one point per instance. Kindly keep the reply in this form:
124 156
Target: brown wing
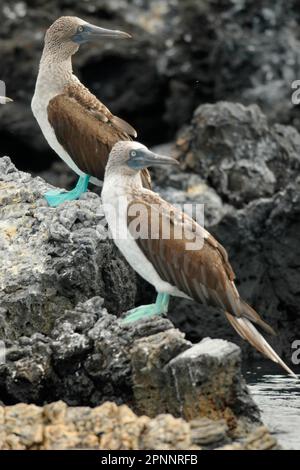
91 103
203 274
87 130
87 140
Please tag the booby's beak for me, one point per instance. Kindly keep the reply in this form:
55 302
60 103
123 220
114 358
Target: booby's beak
88 32
142 158
5 99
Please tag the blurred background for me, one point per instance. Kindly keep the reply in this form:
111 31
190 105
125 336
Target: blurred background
183 53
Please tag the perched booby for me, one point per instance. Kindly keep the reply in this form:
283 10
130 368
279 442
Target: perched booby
137 217
78 127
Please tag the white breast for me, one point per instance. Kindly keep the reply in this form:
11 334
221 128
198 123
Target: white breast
44 92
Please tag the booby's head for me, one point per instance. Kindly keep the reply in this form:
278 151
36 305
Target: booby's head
130 157
67 33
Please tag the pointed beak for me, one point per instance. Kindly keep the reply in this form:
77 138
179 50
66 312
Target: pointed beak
93 33
142 158
5 99
97 32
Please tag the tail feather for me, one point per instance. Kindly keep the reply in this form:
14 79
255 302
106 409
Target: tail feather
247 331
252 315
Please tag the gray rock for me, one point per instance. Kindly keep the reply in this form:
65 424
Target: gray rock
53 258
150 359
234 149
189 384
91 357
85 359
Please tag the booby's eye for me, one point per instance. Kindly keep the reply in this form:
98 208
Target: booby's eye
80 29
133 153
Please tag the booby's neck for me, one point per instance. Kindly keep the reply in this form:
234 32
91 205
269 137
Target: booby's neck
119 183
55 70
55 67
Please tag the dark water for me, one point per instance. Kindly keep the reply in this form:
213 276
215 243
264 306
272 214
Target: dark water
278 397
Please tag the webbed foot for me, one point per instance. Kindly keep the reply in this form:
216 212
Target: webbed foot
56 197
160 307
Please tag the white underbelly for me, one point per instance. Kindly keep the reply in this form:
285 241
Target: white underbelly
138 261
49 134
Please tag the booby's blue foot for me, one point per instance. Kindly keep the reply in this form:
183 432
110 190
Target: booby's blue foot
56 197
160 307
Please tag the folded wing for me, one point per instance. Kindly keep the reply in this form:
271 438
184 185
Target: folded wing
87 130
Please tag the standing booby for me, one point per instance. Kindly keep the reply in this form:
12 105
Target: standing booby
203 275
78 127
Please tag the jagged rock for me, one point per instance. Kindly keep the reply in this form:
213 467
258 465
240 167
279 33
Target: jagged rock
90 357
53 258
150 359
22 427
182 54
200 381
112 427
235 150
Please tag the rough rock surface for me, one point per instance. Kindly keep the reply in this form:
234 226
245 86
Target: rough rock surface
51 259
183 53
112 427
238 153
90 358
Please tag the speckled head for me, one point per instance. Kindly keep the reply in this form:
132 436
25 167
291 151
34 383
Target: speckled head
67 33
130 157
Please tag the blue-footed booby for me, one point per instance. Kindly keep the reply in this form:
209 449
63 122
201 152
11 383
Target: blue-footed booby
78 127
137 218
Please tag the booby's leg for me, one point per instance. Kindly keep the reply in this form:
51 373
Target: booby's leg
161 306
56 196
